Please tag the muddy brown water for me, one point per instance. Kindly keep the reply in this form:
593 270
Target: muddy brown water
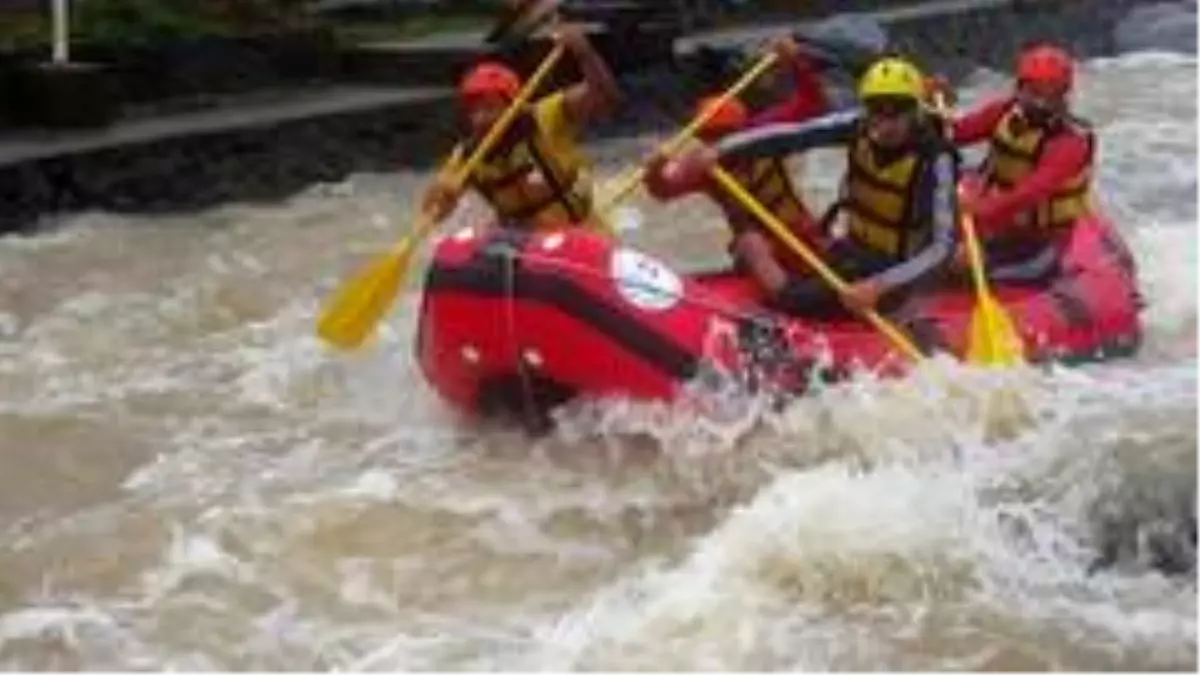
189 480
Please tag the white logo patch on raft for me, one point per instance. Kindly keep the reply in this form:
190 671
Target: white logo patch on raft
645 282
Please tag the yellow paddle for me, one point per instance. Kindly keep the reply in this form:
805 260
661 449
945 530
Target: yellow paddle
783 233
626 184
993 339
359 305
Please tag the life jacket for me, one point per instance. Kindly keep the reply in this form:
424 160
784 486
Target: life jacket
880 200
504 179
1016 149
767 180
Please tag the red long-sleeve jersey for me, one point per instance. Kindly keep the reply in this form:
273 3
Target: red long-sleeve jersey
808 100
1063 157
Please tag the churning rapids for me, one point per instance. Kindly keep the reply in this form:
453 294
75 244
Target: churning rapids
188 480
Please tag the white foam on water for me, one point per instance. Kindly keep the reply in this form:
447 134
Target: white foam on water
281 506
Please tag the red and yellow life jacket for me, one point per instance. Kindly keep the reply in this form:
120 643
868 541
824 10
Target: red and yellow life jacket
767 180
1016 149
539 180
530 185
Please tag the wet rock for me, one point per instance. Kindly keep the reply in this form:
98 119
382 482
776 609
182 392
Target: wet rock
1148 524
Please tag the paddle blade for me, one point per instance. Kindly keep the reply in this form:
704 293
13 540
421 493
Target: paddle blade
994 340
359 305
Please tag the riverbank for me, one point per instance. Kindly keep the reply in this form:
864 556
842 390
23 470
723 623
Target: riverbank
376 109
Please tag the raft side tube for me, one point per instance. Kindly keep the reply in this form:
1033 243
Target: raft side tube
579 314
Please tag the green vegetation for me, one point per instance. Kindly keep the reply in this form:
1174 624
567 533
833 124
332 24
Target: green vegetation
18 31
123 23
356 32
133 23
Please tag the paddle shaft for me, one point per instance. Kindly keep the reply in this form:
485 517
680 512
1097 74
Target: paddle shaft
997 325
632 178
782 232
974 254
988 306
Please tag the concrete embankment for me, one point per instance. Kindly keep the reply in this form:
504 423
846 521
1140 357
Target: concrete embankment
264 147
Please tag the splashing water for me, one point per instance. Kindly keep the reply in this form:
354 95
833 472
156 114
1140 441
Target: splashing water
191 481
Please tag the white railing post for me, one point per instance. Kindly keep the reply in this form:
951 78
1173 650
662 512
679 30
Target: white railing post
62 35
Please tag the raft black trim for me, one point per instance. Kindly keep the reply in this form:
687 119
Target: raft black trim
926 333
1074 310
1118 347
1120 253
488 276
524 396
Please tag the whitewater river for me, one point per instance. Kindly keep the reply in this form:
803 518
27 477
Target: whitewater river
189 480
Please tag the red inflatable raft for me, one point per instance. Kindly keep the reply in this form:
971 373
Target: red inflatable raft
516 322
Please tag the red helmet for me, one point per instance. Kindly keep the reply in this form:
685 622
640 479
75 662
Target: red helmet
731 116
490 79
1046 64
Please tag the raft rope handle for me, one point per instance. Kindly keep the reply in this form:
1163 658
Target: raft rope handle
510 254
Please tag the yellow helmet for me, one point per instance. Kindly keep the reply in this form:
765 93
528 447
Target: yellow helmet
892 77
